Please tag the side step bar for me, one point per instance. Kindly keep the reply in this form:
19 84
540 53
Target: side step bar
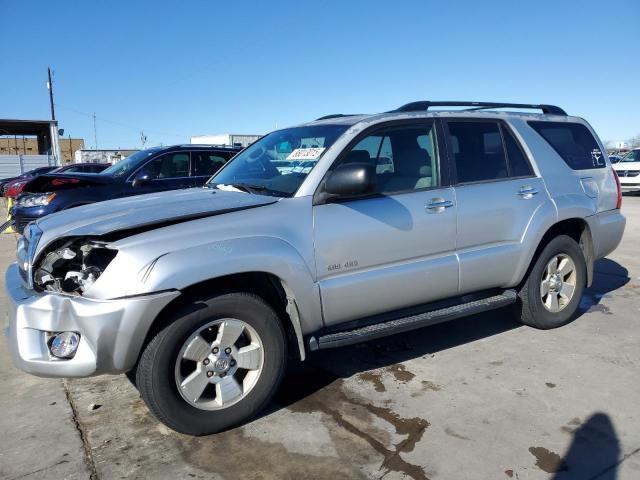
398 325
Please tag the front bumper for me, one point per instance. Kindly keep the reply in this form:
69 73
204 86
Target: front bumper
111 331
23 215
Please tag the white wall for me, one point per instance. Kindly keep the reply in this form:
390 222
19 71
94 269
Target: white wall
14 165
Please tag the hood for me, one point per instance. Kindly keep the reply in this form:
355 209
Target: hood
143 212
65 181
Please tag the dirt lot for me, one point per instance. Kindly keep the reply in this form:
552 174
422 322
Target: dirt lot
477 398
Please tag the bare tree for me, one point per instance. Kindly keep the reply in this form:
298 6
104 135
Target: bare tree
634 141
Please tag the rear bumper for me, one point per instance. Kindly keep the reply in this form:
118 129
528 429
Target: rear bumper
111 331
607 229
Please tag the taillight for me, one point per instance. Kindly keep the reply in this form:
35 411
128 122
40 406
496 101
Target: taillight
619 201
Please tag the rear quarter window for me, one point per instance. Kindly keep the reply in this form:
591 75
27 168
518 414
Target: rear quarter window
573 142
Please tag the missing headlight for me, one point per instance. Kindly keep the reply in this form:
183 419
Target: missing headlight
73 266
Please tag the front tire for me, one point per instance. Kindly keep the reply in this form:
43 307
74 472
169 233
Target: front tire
551 293
214 366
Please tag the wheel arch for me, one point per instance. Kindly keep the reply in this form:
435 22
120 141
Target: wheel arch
271 288
578 229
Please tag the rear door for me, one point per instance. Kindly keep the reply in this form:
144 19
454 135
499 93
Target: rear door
207 162
395 249
497 194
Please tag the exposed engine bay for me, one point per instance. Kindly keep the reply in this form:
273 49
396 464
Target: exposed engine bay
73 266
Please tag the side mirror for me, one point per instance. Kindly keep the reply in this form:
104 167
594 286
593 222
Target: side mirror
141 178
351 180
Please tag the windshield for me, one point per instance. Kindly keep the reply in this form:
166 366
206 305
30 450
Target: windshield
128 164
278 163
632 156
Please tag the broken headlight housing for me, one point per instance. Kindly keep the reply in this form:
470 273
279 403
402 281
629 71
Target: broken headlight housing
72 266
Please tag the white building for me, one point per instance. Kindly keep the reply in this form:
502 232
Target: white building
227 139
101 156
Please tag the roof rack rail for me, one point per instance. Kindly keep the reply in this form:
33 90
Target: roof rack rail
336 115
426 104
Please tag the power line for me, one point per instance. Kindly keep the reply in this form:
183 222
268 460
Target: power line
125 125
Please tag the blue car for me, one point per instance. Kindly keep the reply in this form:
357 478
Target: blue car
147 171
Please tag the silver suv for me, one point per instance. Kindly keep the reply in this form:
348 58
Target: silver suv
401 220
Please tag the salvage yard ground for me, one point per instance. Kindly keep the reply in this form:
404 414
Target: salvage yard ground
477 398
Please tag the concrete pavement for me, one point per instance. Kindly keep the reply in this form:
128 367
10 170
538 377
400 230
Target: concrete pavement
481 397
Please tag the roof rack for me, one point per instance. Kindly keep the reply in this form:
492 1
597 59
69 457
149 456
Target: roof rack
336 115
426 104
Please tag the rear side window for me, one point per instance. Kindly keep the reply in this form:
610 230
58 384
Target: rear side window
518 164
573 142
477 151
208 163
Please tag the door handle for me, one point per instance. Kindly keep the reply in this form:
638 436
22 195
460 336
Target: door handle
437 205
527 192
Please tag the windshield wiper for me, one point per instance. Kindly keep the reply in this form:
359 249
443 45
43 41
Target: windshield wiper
245 187
248 187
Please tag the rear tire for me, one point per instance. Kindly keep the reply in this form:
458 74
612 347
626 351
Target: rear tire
550 296
214 366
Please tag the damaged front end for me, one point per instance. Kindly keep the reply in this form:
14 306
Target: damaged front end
72 266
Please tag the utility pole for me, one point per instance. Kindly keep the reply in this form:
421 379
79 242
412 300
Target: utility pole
70 149
50 87
95 132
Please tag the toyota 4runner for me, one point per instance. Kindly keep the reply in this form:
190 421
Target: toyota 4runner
401 220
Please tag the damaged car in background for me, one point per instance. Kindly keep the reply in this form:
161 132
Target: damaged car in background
397 221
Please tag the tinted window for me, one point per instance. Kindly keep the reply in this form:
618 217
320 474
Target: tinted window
405 157
171 165
208 163
518 164
573 142
477 151
129 164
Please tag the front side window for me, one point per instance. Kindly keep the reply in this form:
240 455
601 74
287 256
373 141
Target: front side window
573 142
171 165
278 163
477 151
405 157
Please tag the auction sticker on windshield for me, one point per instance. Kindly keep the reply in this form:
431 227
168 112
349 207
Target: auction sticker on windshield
306 153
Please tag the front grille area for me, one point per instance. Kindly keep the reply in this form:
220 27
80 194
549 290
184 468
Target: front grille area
19 224
628 173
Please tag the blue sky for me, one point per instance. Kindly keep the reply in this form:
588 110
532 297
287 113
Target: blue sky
175 69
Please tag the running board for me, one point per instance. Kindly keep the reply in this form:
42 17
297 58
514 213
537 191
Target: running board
398 325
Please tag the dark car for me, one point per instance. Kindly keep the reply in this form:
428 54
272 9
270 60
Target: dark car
147 171
4 183
14 188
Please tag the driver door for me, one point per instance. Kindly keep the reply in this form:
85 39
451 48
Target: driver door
395 249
